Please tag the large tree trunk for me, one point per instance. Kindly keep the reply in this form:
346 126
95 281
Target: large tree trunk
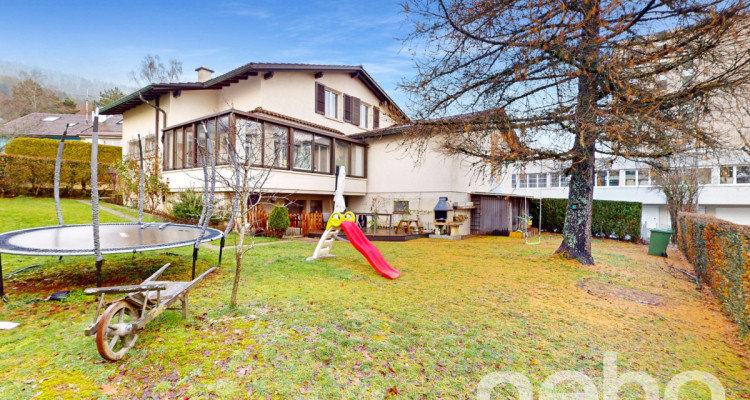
576 242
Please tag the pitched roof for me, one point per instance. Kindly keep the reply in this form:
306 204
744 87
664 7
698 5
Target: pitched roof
53 125
284 117
252 69
473 117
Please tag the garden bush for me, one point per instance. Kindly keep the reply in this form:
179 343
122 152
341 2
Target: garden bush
35 176
720 252
610 219
74 150
278 220
187 206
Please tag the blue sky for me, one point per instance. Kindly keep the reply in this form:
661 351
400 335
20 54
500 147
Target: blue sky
105 40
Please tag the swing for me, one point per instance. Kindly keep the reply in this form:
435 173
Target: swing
539 236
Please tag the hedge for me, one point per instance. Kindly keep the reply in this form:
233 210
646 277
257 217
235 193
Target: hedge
611 219
720 252
74 150
35 176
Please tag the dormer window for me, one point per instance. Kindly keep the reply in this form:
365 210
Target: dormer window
50 119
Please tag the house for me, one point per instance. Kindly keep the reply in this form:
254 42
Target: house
306 119
52 126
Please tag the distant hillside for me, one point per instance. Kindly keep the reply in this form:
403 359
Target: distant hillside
73 85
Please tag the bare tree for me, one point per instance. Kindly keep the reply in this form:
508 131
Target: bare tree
152 70
246 182
28 97
570 80
681 180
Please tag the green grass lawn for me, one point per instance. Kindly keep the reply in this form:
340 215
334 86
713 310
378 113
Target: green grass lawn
132 212
334 328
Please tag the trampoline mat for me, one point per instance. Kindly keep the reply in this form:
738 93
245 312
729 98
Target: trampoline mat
114 238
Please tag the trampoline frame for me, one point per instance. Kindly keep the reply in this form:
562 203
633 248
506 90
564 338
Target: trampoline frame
97 251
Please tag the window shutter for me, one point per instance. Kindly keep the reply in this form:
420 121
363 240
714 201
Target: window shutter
320 98
347 108
355 111
375 118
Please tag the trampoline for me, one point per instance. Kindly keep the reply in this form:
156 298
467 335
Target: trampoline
78 240
97 239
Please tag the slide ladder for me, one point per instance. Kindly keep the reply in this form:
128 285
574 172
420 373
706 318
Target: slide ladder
323 249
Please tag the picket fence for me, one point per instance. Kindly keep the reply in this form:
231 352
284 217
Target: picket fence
307 222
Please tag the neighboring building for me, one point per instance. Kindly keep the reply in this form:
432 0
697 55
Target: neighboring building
52 126
725 189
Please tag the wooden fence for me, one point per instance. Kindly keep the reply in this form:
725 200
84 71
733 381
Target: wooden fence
258 219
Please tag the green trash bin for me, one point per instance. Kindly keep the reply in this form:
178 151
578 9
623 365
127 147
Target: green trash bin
657 245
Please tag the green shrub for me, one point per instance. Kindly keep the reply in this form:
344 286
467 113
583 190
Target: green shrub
74 150
720 252
35 176
187 206
278 220
610 219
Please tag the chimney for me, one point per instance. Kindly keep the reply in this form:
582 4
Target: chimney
204 74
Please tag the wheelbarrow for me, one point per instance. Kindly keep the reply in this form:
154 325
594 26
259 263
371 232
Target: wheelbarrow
116 330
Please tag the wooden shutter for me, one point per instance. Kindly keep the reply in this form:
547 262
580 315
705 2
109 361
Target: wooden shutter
347 108
320 98
355 111
375 118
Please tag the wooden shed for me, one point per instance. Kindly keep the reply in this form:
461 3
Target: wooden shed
496 214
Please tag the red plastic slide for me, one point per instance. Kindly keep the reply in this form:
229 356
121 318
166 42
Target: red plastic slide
371 253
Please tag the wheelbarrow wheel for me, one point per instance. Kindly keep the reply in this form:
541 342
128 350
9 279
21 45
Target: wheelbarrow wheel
113 338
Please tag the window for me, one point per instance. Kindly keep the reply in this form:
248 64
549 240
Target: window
303 150
189 146
358 160
704 176
513 181
222 138
211 127
201 155
400 207
522 178
168 149
50 119
531 180
614 178
276 146
331 104
542 180
316 206
630 177
342 155
726 175
564 180
252 134
179 148
644 177
133 148
601 178
363 112
743 174
322 155
554 180
149 145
